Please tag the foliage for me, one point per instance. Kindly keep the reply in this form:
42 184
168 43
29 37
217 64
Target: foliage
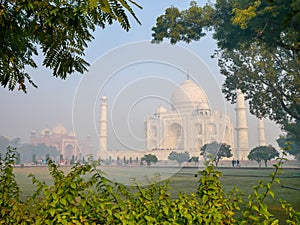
149 159
216 151
4 143
258 49
40 151
9 189
293 129
194 159
290 142
15 143
179 157
256 211
61 29
85 196
263 153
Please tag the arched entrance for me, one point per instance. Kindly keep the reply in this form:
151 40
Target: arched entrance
68 151
199 144
174 139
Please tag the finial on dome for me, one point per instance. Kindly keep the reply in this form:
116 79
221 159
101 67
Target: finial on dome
187 75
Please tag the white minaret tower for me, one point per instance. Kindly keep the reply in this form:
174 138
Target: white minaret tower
261 133
103 126
242 149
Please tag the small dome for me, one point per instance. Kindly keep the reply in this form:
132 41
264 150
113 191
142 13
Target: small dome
161 109
189 93
59 129
46 131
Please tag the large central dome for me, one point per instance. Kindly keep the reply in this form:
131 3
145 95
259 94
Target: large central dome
189 94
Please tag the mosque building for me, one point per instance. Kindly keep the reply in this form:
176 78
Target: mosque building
63 140
187 126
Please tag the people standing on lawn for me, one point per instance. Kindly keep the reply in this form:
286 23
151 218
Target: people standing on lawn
233 162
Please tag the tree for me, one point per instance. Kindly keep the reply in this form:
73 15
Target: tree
290 142
179 157
4 143
268 77
40 151
258 49
34 159
61 29
215 151
149 159
17 157
263 153
15 143
194 159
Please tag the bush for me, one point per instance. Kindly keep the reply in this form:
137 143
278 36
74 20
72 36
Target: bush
85 196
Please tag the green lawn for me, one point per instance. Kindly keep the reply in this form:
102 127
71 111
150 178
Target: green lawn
184 180
244 180
25 183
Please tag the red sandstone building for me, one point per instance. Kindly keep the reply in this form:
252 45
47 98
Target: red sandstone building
64 141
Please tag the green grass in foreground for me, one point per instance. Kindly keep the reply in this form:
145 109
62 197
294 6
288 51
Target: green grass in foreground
244 180
185 181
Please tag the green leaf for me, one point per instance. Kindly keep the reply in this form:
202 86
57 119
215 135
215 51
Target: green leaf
83 202
63 201
271 193
204 199
255 208
166 210
275 222
73 185
52 211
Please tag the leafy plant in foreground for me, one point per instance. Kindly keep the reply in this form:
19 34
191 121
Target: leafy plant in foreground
85 196
9 190
256 210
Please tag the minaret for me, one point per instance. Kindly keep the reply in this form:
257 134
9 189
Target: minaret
242 149
261 133
103 126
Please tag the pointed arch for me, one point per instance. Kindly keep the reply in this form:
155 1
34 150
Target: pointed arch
199 128
69 151
212 129
199 144
174 139
153 131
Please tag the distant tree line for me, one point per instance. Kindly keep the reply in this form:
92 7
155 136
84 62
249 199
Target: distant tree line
214 151
28 153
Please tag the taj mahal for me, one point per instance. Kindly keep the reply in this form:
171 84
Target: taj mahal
189 124
186 126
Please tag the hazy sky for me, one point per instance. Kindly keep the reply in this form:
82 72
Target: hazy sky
135 78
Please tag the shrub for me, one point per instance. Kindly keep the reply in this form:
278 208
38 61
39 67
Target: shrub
85 196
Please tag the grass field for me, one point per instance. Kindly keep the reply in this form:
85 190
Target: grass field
244 180
184 180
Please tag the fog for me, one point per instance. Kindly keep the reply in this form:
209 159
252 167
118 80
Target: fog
135 75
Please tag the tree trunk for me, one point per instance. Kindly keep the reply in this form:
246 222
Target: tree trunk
266 163
217 162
